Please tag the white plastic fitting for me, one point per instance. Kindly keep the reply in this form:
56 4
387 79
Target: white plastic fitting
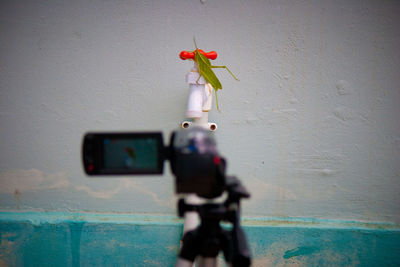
198 95
199 100
210 125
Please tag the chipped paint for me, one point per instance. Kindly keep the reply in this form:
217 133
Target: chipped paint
300 251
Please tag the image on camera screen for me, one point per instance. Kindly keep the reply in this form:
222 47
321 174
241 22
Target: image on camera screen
130 153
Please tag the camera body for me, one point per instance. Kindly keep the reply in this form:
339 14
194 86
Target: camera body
193 156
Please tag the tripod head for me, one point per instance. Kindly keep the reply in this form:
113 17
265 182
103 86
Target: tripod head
222 211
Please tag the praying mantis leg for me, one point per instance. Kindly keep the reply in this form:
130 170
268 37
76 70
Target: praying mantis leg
225 67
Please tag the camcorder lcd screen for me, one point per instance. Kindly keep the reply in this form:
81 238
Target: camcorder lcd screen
133 153
123 153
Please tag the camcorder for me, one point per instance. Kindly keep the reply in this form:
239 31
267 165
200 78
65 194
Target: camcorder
192 153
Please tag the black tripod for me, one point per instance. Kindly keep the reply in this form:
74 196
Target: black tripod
209 238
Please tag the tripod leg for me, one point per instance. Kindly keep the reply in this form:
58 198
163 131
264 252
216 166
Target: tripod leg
206 262
189 249
183 263
201 262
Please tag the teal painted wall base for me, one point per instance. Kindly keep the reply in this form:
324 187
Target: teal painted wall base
85 239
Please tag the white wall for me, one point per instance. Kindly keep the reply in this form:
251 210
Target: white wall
312 127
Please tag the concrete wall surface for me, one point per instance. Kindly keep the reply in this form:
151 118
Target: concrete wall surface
311 128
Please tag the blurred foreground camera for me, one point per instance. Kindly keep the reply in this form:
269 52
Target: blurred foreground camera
197 167
192 153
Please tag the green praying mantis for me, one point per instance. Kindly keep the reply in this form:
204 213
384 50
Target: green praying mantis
204 66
